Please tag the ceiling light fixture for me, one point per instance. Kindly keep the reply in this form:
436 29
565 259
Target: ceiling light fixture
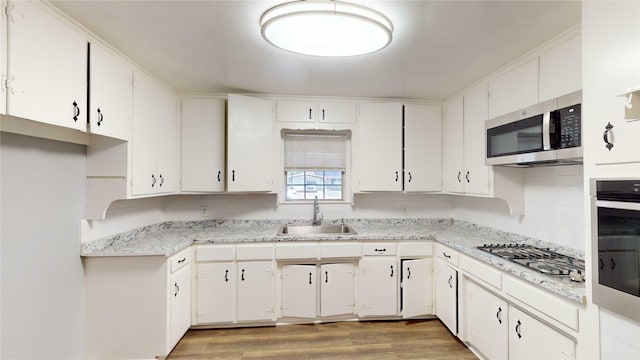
326 28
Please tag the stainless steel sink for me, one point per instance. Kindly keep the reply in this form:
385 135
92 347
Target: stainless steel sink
338 229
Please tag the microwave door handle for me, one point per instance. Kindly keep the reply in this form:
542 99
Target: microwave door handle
546 131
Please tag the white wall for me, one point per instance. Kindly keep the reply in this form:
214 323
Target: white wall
42 186
554 207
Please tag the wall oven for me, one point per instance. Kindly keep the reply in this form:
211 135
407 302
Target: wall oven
615 207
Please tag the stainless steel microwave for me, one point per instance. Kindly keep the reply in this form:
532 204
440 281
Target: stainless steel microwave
615 244
549 133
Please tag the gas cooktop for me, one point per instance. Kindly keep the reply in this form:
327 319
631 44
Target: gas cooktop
542 260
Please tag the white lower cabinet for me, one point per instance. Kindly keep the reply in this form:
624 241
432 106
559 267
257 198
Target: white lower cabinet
255 290
532 339
486 322
417 287
446 288
180 307
215 300
299 291
138 307
337 286
378 286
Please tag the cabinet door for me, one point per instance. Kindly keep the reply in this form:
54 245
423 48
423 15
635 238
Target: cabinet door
203 132
417 288
299 291
166 130
111 87
378 287
514 90
337 112
486 322
144 178
561 69
422 148
453 159
249 144
47 62
180 304
255 291
380 148
610 60
337 287
215 300
296 111
476 174
531 339
446 289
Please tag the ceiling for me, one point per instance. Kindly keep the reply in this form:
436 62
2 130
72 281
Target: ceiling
438 47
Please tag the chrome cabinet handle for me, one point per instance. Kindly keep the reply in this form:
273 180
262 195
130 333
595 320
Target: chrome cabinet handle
605 136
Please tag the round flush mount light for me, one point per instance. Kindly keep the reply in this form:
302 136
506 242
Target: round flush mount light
326 28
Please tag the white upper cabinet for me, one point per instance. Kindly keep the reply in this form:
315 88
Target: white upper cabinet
453 157
380 147
514 90
47 67
250 144
111 87
422 148
311 111
203 145
476 173
154 138
561 69
611 47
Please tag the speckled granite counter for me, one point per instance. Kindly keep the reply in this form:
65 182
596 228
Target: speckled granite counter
168 238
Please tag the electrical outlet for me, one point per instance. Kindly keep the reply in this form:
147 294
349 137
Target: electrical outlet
204 209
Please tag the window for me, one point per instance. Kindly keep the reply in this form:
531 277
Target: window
314 165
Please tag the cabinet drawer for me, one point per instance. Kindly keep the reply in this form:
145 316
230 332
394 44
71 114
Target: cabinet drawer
180 259
379 249
297 251
215 253
343 250
415 249
254 252
543 301
481 271
447 254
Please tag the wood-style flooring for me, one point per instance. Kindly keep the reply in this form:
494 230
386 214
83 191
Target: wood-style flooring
370 340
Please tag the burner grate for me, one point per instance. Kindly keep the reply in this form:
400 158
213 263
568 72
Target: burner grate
542 260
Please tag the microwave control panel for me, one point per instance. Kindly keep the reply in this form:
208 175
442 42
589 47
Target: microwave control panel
569 126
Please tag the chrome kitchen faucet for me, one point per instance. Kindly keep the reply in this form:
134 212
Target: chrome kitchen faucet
316 211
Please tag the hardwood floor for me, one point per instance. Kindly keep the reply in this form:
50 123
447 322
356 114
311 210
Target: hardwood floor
388 340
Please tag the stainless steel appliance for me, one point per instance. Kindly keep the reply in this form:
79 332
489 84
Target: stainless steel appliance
542 260
615 234
549 133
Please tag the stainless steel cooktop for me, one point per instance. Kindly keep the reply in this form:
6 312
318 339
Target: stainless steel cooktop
542 260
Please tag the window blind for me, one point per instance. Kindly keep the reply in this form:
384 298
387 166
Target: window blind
315 152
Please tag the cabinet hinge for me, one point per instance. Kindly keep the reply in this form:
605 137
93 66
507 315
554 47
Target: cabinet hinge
7 84
7 10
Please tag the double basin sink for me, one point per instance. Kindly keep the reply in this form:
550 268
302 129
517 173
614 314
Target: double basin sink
301 230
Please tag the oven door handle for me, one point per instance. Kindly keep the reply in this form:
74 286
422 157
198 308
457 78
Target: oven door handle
546 130
618 205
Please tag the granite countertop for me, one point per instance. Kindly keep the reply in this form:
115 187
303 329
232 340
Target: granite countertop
168 238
